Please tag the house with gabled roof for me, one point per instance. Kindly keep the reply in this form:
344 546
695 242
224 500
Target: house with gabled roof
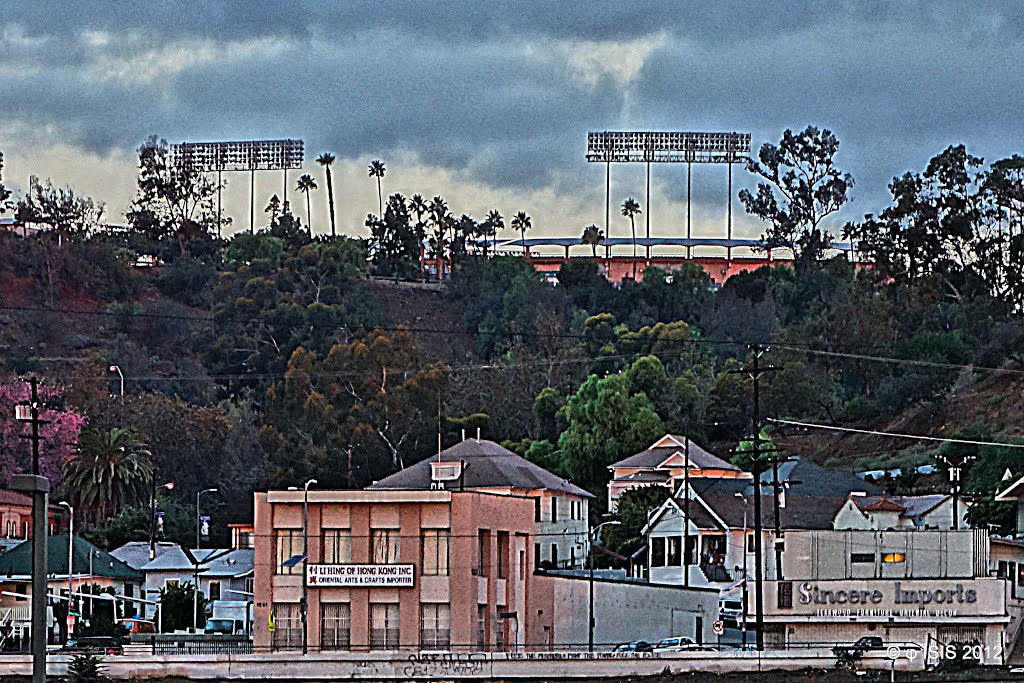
664 463
934 511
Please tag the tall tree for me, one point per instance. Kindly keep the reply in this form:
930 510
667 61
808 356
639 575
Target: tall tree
495 222
377 171
170 194
110 471
65 211
419 206
593 236
440 218
630 208
810 188
325 160
522 223
5 193
307 184
273 208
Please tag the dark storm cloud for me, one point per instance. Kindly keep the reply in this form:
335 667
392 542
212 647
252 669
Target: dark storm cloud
485 89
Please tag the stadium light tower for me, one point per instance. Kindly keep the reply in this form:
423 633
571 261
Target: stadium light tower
649 147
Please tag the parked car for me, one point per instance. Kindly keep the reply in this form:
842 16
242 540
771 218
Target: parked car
677 644
863 644
95 644
635 646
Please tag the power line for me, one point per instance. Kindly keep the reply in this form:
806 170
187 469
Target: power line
900 361
896 435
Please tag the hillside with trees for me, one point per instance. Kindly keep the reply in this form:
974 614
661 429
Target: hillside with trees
267 358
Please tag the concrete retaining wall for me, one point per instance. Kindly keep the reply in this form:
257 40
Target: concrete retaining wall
405 666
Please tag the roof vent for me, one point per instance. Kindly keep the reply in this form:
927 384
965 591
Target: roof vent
859 493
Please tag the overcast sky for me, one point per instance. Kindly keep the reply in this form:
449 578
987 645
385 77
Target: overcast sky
488 103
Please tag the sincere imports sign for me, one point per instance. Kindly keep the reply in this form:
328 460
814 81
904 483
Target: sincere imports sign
360 575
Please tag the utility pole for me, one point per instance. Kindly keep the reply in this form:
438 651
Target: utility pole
754 372
305 564
955 467
39 488
686 513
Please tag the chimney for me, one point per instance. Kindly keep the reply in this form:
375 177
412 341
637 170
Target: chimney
478 435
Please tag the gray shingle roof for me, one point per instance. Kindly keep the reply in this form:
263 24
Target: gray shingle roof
652 457
225 562
806 478
488 465
135 554
803 512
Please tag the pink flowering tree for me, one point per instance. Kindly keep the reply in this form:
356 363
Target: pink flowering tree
58 437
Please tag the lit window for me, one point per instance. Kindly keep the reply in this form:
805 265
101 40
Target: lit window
894 558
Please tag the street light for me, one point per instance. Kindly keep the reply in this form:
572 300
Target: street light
152 520
592 537
71 545
195 587
117 369
305 562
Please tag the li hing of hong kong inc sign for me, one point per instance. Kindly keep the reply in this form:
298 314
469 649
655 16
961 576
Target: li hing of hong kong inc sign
360 575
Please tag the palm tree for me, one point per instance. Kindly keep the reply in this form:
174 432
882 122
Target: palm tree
631 208
593 236
419 207
377 171
522 223
325 160
496 222
305 184
110 471
440 219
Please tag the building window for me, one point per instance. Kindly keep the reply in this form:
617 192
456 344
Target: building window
482 541
502 554
335 625
337 546
554 555
894 558
435 552
250 586
129 590
384 631
170 582
538 511
750 543
386 545
22 589
214 590
862 558
499 629
435 627
554 508
287 625
658 552
289 544
536 556
481 627
674 551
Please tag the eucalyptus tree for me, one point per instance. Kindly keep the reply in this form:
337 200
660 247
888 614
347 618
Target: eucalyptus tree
801 168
